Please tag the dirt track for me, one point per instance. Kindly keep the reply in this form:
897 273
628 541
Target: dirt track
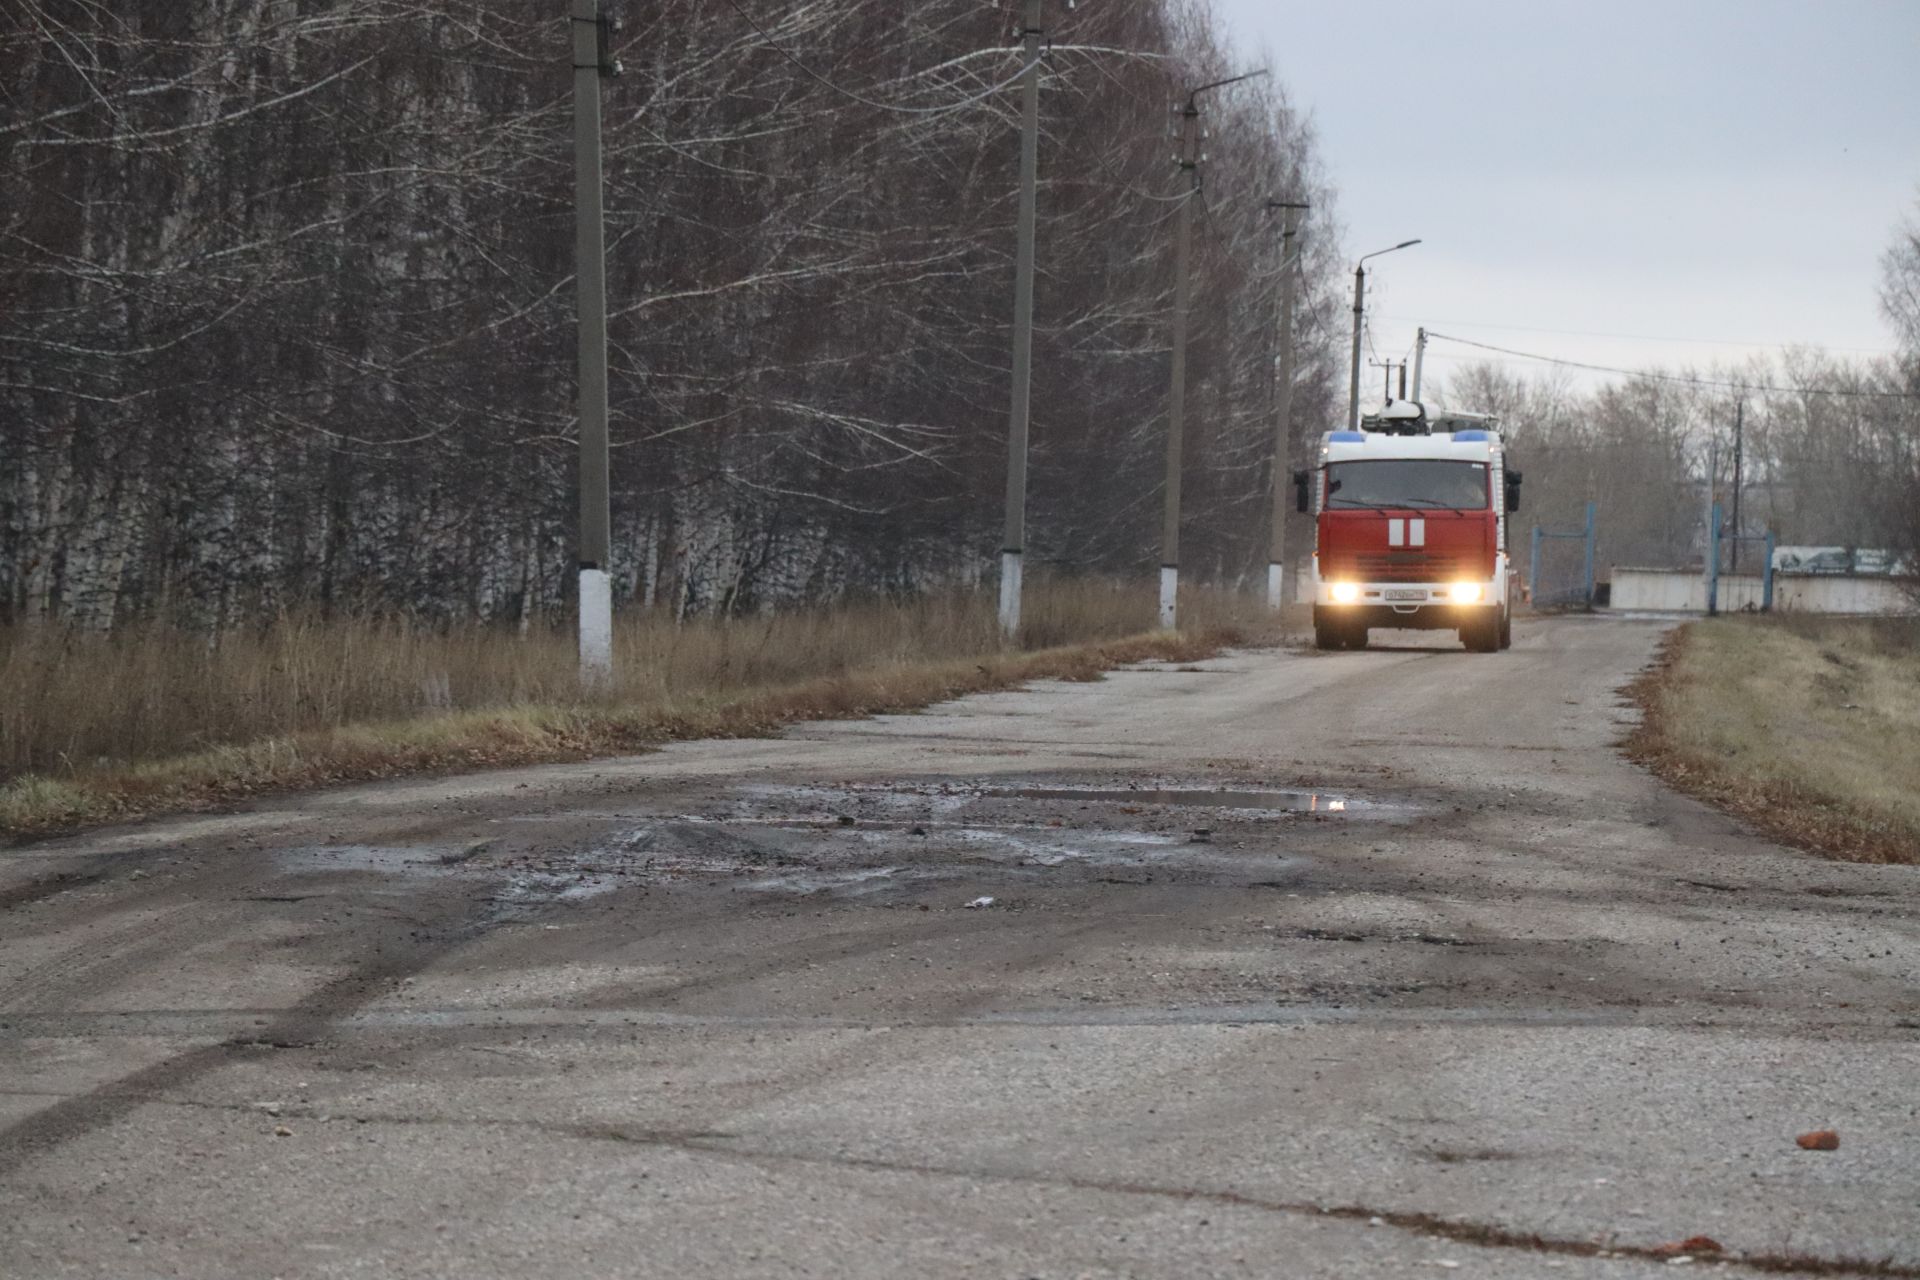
1302 965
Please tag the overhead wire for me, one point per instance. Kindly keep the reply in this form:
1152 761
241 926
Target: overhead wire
1684 379
1636 337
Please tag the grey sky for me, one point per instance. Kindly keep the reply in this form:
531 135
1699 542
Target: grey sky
1672 169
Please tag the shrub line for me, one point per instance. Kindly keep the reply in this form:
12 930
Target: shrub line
37 806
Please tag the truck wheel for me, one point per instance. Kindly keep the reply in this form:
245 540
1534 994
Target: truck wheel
1506 628
1327 635
1482 634
1357 635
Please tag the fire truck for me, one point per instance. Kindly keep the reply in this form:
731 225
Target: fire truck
1411 528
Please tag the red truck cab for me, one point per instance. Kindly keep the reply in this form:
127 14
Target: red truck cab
1411 529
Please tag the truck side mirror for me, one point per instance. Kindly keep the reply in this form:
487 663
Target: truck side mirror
1513 490
1302 500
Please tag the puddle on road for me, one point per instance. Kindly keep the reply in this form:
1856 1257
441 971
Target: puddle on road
306 859
1253 801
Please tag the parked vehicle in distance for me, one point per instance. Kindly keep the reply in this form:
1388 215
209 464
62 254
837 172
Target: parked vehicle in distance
1411 528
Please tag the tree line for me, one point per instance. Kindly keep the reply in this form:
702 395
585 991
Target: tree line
286 305
1825 449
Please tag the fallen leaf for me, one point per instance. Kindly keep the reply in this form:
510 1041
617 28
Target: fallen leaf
1819 1140
1691 1245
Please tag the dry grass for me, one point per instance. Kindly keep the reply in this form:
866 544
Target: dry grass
97 728
1808 727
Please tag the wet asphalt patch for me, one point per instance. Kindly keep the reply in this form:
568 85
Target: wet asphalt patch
873 841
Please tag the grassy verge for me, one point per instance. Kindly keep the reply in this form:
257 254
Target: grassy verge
109 728
1807 727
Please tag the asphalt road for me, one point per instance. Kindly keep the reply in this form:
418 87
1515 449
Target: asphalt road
1296 965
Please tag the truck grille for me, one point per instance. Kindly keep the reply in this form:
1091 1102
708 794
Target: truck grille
1410 566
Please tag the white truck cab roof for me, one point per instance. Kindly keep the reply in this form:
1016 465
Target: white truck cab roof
1407 430
1471 445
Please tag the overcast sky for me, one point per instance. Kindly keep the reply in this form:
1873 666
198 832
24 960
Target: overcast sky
1707 170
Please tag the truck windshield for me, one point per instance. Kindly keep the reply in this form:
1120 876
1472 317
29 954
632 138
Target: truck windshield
1407 482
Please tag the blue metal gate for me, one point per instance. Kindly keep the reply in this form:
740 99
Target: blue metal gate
1560 566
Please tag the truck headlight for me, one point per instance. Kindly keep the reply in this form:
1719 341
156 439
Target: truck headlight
1345 592
1465 593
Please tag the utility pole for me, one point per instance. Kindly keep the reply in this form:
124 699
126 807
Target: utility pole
1013 545
1389 366
1710 541
1359 319
1283 415
1353 373
1419 358
1189 159
1739 432
592 59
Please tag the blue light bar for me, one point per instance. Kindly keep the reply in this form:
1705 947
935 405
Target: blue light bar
1348 437
1469 435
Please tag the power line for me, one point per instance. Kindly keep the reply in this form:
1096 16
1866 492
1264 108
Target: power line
1640 337
1683 379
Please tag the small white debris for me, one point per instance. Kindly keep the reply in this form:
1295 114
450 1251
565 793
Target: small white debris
982 901
1376 1221
1448 1263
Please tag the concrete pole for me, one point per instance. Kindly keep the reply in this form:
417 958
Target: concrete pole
1177 395
1353 374
1713 562
1593 510
1283 415
1710 554
1013 546
1419 359
596 589
1359 322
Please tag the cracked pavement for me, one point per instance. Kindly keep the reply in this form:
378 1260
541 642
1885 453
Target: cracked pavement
1296 965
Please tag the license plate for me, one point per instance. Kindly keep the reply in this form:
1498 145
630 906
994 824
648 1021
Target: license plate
1405 593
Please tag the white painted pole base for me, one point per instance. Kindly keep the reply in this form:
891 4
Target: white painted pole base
596 627
1169 596
1274 598
1010 594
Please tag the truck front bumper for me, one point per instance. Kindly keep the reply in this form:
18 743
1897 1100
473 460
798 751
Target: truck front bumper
1405 616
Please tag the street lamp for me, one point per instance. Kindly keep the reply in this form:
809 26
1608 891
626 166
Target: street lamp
1359 311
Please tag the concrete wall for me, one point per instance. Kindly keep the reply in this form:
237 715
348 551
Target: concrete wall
1683 591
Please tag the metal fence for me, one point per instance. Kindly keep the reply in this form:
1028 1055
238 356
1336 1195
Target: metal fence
1717 546
1560 565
